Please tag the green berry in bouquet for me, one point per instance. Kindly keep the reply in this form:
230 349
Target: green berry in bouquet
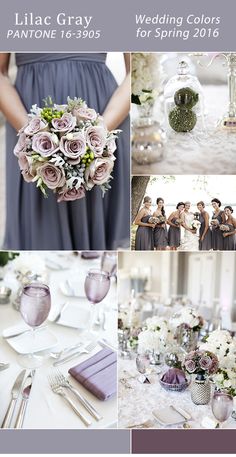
182 120
186 98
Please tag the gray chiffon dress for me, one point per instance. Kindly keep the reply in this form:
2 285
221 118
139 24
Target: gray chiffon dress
160 237
229 241
144 237
217 235
206 244
93 222
174 235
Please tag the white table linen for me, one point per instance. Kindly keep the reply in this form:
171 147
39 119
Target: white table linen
137 401
213 153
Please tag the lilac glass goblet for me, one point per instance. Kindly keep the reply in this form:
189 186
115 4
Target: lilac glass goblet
35 305
222 406
109 263
96 287
143 366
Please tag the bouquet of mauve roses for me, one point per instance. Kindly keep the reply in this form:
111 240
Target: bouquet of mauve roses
66 148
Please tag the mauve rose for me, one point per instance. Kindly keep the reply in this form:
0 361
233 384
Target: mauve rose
67 195
52 176
190 366
96 139
35 125
23 161
84 114
21 144
66 123
205 362
73 146
28 177
98 171
45 143
111 145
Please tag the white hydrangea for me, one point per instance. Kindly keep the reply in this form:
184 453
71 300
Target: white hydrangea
186 316
28 261
155 336
226 380
221 343
146 72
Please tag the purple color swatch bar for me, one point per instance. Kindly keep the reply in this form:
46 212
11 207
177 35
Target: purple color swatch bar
183 442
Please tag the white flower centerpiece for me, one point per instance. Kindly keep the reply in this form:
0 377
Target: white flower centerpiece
155 338
186 326
224 346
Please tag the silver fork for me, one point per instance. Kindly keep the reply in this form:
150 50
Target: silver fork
63 382
85 350
57 389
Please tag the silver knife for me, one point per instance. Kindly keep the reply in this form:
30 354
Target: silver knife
182 413
25 397
15 391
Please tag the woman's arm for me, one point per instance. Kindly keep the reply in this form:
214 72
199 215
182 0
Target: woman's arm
169 220
206 218
118 106
10 102
138 221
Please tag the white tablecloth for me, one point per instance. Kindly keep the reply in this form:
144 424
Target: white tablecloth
46 409
213 153
137 401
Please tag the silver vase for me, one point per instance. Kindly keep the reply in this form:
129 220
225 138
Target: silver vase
148 137
187 338
155 358
201 390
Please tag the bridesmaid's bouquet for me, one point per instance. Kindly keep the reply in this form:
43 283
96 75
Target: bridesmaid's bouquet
66 148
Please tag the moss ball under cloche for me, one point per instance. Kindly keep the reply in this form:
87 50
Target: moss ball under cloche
186 98
182 120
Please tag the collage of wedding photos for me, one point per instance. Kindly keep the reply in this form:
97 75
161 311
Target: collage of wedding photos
118 240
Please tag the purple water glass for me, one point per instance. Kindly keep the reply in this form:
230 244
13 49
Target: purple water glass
109 263
96 287
35 305
222 406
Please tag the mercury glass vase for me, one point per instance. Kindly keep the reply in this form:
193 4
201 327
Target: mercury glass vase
201 390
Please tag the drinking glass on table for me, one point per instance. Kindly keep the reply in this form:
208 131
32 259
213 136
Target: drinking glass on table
96 286
143 366
109 263
35 305
222 406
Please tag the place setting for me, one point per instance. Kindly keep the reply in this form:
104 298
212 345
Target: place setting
177 352
58 350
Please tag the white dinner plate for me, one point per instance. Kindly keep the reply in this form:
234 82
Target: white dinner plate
75 316
167 416
44 339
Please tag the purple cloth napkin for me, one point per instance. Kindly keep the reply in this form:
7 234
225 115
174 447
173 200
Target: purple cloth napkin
174 376
98 374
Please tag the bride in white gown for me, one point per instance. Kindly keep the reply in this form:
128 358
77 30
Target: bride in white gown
190 238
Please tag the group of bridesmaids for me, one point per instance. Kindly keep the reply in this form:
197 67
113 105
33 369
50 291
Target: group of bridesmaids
156 231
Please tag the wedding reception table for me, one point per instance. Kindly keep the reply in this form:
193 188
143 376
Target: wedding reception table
137 400
209 153
46 409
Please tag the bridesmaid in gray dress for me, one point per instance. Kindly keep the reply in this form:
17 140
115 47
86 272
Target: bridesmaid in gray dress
174 222
160 231
205 242
144 233
229 237
218 218
93 222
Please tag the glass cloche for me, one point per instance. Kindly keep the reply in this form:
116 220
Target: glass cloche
183 102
